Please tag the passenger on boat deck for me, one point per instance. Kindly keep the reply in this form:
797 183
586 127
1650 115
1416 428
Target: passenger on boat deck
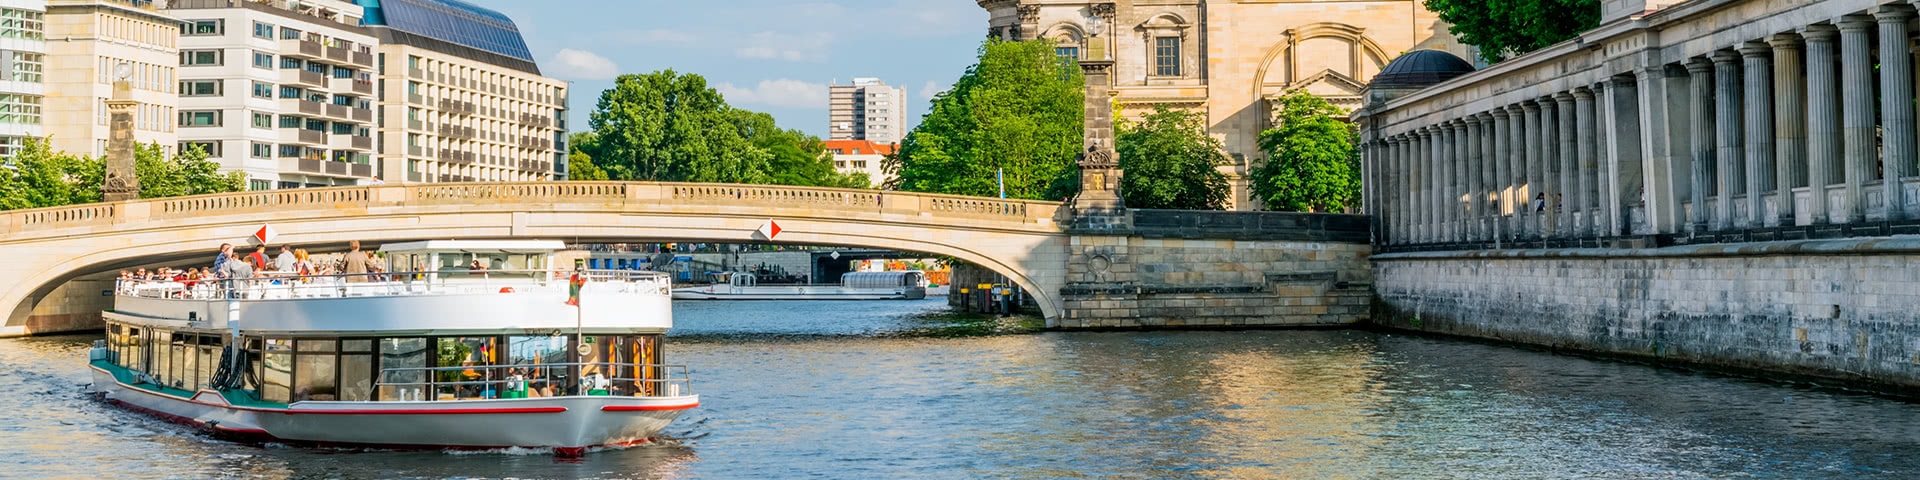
477 265
259 258
220 259
355 262
285 262
302 265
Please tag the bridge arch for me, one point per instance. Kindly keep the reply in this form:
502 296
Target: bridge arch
1019 239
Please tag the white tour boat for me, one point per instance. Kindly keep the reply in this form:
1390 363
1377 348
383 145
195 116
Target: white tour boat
902 285
437 354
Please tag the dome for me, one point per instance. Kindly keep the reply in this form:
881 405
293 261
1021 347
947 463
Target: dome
1420 68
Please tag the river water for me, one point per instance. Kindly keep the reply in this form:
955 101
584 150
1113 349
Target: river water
861 390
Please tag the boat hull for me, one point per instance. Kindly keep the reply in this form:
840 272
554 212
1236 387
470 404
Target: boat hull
799 292
565 424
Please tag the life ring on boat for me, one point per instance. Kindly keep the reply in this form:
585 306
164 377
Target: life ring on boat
506 289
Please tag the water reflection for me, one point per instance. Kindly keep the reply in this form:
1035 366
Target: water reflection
837 390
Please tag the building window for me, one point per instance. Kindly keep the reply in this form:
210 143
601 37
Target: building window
256 184
196 28
287 33
22 24
1166 56
289 92
201 57
27 66
290 121
201 88
262 120
200 118
1068 55
263 30
262 150
262 90
212 149
290 151
263 60
20 109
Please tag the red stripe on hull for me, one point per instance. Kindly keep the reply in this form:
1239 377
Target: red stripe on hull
646 408
428 411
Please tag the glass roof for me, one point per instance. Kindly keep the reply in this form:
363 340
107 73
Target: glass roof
452 21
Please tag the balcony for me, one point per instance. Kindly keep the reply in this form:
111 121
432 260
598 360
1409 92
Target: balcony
305 107
339 111
416 74
314 137
363 88
415 124
416 151
364 59
302 48
338 54
362 143
416 99
361 114
303 77
413 176
322 166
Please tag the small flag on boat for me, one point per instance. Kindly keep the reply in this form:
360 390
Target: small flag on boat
573 288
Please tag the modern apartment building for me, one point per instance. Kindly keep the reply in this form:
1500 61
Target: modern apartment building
462 99
279 89
861 156
86 41
868 109
22 71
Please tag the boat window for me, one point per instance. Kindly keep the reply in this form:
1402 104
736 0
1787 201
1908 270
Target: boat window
135 354
315 374
464 351
162 371
535 351
116 344
403 353
356 377
209 360
252 382
185 362
619 357
276 370
360 345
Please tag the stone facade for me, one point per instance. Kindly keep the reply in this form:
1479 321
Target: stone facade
1130 281
1833 309
1229 57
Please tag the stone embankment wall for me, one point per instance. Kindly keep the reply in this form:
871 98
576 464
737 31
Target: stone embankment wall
1211 269
1835 309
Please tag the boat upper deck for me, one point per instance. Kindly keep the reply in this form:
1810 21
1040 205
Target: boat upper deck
445 301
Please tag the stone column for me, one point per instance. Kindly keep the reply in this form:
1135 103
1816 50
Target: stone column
1548 166
1896 105
1502 165
1789 124
1564 191
1437 183
1517 169
1824 151
1474 186
1758 60
1700 73
1728 158
1586 192
1529 171
1457 186
120 181
1624 172
1423 184
1856 76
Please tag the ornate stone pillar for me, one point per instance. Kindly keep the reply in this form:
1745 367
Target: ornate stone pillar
1501 163
1029 27
121 183
1474 184
1856 75
1824 147
1431 139
1623 172
1516 170
1727 135
1758 60
1393 191
1789 124
1545 167
1457 195
1098 205
1443 141
1403 191
1700 75
1896 105
1588 191
1565 194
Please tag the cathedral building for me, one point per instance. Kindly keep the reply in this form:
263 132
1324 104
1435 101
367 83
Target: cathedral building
1229 58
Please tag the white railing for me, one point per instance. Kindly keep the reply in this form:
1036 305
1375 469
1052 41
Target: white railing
444 282
486 382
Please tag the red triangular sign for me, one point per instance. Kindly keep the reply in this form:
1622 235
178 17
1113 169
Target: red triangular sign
769 230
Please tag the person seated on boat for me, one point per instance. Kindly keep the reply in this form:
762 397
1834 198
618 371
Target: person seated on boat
470 375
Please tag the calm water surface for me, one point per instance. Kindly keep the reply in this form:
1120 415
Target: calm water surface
842 390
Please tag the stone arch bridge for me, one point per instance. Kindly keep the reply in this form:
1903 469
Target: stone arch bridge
1023 240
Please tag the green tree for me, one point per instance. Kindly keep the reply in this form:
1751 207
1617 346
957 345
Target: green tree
1310 158
42 177
665 126
1170 162
797 158
581 147
1016 110
1503 28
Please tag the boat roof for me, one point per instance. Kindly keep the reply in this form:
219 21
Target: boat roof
474 246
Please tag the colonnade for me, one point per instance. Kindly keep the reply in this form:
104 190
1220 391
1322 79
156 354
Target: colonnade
1773 134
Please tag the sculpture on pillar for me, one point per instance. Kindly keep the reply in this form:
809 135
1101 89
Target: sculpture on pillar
121 183
1029 27
1099 167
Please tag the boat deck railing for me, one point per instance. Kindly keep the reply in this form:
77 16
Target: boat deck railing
271 286
485 382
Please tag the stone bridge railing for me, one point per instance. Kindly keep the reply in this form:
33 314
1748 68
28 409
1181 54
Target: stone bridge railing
829 201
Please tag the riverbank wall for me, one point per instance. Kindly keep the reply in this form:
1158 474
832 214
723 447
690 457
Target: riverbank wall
1845 310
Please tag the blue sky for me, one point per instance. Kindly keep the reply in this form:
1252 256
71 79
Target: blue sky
765 55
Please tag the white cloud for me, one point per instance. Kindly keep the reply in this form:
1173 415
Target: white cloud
582 65
783 92
802 47
931 89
